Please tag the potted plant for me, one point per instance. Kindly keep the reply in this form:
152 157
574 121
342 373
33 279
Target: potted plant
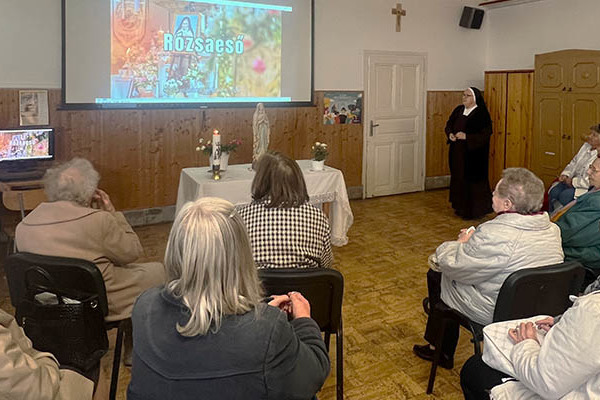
319 154
226 149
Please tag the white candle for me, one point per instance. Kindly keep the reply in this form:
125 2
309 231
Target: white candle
216 149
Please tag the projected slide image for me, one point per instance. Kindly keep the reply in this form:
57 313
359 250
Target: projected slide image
187 51
24 144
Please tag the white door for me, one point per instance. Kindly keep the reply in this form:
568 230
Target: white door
394 123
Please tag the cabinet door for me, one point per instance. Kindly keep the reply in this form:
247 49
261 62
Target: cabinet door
583 111
495 99
585 74
548 131
519 120
551 72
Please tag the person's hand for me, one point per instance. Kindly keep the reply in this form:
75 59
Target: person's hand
563 178
102 201
452 137
523 331
461 136
545 324
282 302
300 306
465 234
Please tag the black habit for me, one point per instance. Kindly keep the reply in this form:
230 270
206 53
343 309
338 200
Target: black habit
470 193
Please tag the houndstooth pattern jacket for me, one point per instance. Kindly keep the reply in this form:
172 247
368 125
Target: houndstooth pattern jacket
296 237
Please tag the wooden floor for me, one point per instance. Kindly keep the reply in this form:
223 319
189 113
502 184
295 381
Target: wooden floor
384 266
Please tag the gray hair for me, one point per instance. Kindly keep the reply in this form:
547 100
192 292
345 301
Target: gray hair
523 188
209 265
75 180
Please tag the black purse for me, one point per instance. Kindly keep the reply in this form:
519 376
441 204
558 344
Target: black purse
71 328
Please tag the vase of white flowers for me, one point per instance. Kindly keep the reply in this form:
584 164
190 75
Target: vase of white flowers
319 153
226 150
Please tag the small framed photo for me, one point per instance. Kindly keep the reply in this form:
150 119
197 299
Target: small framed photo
33 107
342 107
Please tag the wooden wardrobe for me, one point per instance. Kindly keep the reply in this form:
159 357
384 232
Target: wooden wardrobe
509 98
567 103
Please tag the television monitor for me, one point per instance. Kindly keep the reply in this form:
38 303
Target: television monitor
26 144
187 53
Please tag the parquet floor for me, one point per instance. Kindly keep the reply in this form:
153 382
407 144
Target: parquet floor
384 266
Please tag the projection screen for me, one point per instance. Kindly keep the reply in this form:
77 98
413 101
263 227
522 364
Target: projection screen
186 53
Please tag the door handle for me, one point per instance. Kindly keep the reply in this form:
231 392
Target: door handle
373 126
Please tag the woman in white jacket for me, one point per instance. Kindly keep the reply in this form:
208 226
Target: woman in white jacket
474 267
566 366
573 180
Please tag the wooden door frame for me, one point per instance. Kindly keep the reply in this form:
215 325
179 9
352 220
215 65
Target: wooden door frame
366 116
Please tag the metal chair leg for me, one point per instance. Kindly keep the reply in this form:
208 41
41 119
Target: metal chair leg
339 358
114 379
326 340
436 355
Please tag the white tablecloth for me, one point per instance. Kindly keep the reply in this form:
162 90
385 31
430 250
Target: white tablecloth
325 186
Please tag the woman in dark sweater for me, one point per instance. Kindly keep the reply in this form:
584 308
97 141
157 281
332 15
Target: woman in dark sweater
468 130
207 334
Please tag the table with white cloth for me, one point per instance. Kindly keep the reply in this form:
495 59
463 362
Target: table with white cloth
326 186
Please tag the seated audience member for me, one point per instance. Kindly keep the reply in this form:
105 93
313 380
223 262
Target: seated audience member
285 230
573 181
474 267
80 221
208 333
566 365
28 374
579 226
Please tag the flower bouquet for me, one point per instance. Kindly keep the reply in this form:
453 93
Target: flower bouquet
226 149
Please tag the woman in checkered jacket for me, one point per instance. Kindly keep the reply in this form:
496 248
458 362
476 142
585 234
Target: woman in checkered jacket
285 230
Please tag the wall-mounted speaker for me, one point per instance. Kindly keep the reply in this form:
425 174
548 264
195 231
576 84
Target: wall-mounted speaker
471 18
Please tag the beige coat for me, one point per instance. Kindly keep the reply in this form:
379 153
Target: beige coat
65 229
28 374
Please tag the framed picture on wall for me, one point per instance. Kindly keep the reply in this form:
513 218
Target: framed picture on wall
342 107
33 107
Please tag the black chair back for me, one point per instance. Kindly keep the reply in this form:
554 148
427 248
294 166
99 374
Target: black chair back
322 287
73 275
535 291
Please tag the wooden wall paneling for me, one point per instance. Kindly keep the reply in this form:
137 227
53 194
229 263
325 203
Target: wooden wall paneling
495 100
519 120
140 153
440 105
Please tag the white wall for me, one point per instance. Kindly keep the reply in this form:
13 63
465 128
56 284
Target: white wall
30 43
345 28
516 34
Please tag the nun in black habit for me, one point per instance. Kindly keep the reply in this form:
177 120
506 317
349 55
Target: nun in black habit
468 130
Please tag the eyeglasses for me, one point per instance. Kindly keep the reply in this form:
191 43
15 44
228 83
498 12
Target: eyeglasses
467 95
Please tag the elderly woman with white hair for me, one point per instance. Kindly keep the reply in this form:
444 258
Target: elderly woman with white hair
208 334
80 221
473 268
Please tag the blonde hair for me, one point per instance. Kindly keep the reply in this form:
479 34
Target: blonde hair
75 180
209 265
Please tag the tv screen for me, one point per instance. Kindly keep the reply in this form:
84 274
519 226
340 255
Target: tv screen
26 144
136 53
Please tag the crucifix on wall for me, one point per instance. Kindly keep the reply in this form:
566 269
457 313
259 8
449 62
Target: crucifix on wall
399 13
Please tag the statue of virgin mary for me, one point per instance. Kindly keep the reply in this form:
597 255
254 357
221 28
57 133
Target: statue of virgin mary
261 130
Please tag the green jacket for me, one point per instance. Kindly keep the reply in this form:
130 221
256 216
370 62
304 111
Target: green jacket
580 231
